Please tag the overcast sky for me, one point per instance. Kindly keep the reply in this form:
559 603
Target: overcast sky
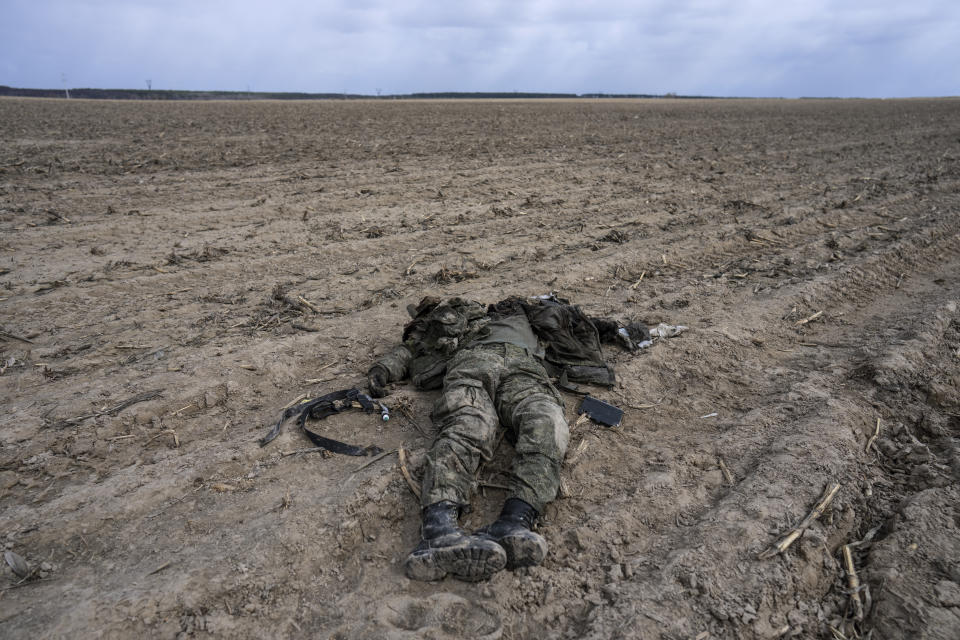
789 48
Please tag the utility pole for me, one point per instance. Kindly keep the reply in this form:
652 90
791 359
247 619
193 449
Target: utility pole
63 78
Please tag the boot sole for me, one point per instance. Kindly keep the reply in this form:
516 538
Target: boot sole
471 562
524 550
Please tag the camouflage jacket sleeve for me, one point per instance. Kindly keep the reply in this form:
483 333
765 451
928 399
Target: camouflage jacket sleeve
396 362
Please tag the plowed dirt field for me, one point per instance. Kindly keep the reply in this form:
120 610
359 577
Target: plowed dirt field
173 274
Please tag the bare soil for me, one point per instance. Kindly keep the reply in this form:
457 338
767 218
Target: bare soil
151 260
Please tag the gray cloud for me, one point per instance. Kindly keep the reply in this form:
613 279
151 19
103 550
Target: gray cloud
710 47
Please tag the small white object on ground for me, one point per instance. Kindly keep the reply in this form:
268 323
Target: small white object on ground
664 330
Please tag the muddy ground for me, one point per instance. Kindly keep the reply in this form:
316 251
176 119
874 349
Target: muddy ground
153 255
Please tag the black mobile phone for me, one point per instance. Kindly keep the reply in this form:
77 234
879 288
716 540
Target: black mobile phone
602 412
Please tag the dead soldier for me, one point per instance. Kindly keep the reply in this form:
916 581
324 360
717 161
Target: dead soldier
492 364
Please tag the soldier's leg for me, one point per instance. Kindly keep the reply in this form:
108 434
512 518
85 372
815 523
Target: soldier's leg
529 404
533 409
465 418
467 426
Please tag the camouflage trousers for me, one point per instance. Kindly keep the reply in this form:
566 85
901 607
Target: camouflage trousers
486 387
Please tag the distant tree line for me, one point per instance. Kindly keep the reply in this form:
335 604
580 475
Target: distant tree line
157 94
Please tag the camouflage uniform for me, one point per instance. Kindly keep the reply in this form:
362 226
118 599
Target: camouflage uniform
490 376
491 366
485 386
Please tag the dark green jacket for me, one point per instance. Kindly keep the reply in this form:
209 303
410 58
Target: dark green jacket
571 342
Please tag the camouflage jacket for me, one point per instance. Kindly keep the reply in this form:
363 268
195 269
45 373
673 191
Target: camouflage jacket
570 340
438 330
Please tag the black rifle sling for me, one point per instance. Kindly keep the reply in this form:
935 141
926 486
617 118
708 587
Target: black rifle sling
319 408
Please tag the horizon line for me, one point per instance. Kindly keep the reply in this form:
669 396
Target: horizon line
210 94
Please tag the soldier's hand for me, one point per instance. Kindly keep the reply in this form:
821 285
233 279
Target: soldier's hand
377 382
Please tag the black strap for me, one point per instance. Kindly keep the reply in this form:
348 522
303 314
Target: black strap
320 408
564 384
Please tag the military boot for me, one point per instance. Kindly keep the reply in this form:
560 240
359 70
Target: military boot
446 548
512 532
